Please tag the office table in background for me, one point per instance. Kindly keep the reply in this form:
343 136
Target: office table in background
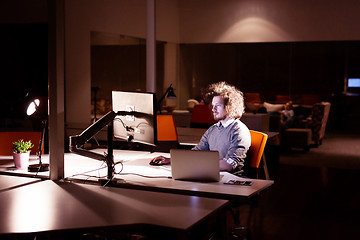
189 136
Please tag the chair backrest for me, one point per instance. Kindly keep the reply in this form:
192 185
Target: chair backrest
166 134
283 98
256 150
201 116
252 97
319 118
309 99
7 138
166 130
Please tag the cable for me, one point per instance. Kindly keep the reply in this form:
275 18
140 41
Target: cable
84 173
140 175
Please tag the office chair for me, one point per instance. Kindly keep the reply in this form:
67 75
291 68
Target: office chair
254 155
166 133
7 139
201 116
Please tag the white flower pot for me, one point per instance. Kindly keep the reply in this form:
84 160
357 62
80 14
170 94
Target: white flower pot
21 160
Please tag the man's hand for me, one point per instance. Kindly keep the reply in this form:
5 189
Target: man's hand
224 166
159 160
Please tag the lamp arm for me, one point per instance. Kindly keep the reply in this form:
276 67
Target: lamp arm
41 142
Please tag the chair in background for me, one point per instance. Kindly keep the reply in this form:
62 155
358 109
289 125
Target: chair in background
201 116
283 98
7 138
318 121
314 130
252 97
166 133
191 103
309 99
252 102
255 157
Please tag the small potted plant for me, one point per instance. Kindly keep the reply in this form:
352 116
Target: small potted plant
21 153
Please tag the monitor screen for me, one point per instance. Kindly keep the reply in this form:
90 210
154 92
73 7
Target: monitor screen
353 83
140 127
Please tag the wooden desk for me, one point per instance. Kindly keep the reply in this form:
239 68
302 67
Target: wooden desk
207 189
11 182
49 206
7 166
137 173
157 178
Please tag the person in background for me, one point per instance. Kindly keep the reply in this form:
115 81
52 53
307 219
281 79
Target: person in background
287 115
229 136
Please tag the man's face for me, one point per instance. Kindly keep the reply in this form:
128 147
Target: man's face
218 108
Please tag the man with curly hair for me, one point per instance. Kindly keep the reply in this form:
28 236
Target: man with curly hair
229 136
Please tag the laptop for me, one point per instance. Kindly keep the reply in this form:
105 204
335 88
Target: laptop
195 165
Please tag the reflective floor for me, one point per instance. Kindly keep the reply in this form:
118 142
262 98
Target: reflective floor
316 195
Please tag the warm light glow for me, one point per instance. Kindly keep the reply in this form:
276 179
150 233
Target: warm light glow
30 211
32 108
254 29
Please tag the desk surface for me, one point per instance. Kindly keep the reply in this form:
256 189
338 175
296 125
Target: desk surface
135 172
11 182
158 178
66 206
7 165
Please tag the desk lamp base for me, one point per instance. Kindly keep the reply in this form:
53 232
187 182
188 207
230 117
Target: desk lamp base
43 167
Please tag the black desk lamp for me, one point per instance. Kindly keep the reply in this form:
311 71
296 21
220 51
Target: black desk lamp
32 109
170 94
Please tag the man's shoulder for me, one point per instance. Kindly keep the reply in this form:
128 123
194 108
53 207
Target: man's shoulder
238 124
212 127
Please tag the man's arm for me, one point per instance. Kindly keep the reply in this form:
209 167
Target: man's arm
224 166
203 144
239 145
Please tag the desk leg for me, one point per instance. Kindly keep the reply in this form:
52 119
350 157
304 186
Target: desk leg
213 227
223 231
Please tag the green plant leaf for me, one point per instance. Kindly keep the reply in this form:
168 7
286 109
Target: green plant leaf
21 146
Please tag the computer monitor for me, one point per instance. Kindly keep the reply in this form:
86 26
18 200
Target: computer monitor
353 82
141 126
353 85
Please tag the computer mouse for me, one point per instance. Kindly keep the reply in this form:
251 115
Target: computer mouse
156 162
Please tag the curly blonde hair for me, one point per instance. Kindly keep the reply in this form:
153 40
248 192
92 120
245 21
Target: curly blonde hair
233 98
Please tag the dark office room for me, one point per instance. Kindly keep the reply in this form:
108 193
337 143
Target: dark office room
90 175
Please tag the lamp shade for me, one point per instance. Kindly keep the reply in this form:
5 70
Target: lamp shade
171 93
32 107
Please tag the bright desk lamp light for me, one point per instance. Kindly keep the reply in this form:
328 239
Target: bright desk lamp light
33 108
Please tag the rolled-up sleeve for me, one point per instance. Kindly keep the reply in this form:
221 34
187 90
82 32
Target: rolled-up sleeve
239 144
